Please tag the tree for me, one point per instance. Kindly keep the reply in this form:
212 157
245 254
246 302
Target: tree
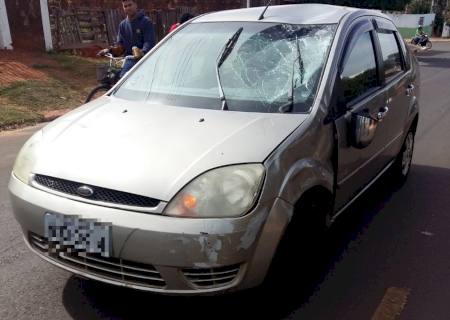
439 8
419 6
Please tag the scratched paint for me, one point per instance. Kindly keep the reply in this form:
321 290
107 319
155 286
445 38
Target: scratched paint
250 234
210 246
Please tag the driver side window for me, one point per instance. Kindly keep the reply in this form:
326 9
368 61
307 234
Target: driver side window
360 76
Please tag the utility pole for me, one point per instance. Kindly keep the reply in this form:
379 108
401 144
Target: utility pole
432 6
249 3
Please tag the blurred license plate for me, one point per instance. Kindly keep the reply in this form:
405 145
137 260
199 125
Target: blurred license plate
72 234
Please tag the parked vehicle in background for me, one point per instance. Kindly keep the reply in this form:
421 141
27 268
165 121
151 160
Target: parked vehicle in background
237 130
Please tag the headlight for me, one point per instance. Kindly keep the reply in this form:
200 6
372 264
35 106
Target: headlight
222 192
26 158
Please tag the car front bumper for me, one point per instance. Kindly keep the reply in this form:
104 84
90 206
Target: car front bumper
159 253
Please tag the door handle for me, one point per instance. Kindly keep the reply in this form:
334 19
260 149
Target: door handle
410 89
382 113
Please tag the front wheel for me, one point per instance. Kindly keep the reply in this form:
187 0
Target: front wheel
301 248
97 92
428 45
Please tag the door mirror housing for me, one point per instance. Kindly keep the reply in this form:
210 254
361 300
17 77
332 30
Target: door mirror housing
363 128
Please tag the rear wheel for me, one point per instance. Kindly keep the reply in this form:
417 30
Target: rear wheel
98 92
402 165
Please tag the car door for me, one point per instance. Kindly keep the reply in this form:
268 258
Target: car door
361 112
398 83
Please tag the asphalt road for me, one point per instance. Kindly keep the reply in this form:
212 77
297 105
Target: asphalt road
388 257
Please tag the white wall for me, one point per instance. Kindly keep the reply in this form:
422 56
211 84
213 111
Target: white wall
411 20
5 33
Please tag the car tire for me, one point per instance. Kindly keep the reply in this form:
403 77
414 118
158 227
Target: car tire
301 245
403 162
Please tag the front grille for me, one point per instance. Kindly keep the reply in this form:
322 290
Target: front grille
210 278
110 268
100 194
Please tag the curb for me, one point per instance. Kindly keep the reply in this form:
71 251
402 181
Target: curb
440 40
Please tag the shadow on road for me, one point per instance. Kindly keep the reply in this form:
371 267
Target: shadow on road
430 53
84 299
434 62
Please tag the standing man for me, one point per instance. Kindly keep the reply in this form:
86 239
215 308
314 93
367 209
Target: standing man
136 30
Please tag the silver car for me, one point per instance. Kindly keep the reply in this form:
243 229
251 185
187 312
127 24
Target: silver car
185 177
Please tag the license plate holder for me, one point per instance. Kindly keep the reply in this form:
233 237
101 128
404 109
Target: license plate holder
73 234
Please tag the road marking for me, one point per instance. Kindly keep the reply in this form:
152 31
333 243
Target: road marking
392 305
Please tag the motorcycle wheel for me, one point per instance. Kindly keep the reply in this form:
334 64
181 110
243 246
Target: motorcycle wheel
98 92
428 45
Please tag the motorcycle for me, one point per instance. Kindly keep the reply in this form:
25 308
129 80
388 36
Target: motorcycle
107 75
424 43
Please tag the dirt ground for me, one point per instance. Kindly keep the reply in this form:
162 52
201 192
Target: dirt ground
16 71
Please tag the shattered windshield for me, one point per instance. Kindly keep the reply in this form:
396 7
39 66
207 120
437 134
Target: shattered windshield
269 63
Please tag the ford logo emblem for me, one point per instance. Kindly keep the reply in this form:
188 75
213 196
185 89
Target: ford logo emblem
85 191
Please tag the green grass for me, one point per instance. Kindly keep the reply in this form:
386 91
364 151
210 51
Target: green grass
411 32
25 102
37 95
80 67
12 116
41 66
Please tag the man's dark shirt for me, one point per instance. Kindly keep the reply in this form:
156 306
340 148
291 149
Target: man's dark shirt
138 32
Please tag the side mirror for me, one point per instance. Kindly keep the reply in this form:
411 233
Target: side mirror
363 128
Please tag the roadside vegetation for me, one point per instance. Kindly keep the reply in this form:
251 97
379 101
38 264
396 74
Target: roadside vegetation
64 86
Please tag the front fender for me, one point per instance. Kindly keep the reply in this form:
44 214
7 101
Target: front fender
304 175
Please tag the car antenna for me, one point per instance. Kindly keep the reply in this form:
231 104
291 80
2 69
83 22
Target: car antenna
262 14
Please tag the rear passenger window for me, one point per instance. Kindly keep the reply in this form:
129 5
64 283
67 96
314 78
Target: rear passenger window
405 52
359 75
391 54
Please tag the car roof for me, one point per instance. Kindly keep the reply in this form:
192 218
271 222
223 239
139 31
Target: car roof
294 13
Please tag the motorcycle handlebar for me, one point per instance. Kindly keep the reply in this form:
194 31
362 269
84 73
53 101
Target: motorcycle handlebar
110 56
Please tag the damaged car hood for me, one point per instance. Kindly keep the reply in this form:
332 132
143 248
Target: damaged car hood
155 150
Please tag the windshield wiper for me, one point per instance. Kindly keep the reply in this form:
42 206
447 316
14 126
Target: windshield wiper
225 52
289 106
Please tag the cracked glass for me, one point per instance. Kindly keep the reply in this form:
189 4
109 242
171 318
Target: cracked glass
268 63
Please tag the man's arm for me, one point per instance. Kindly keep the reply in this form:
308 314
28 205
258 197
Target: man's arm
149 36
